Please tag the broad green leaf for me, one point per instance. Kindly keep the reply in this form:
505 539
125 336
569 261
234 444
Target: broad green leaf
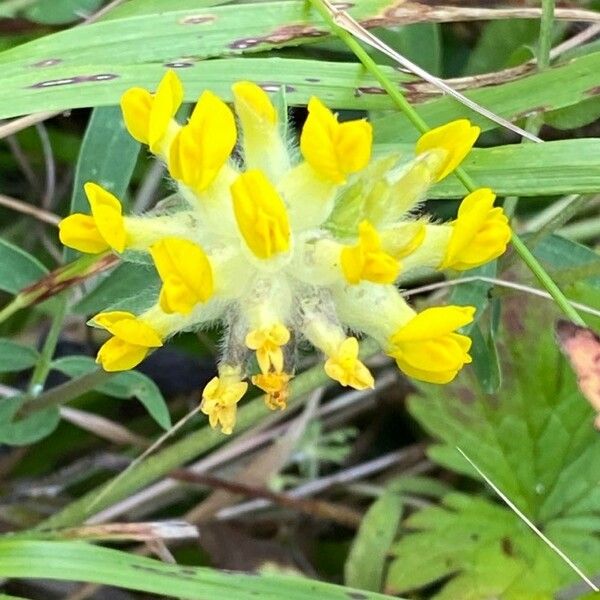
17 268
484 547
368 555
58 12
124 385
534 439
27 430
131 286
16 357
76 561
108 155
577 115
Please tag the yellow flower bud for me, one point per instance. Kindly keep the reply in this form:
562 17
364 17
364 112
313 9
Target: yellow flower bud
367 261
334 150
479 234
345 367
186 274
428 347
202 147
456 138
148 116
220 398
267 343
132 340
260 214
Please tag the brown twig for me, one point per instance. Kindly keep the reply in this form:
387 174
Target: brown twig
316 508
28 209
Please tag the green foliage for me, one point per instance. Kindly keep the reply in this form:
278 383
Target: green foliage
129 384
17 268
56 560
535 440
57 12
15 431
16 357
369 552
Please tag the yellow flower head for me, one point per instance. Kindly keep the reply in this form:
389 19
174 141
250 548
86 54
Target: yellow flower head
220 398
283 247
455 139
479 234
428 347
132 340
104 229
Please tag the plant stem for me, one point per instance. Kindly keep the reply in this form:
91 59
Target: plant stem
42 367
403 104
545 39
193 445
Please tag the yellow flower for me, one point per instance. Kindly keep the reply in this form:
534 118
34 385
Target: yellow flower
220 398
148 116
185 272
103 230
267 342
261 215
280 247
132 340
202 147
275 385
455 138
479 234
367 260
334 150
347 369
428 347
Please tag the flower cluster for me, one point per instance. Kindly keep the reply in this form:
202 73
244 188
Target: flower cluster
286 245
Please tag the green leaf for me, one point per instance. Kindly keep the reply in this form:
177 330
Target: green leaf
367 559
124 385
22 432
131 286
108 155
577 115
16 357
58 12
76 561
484 547
535 440
552 168
563 85
17 268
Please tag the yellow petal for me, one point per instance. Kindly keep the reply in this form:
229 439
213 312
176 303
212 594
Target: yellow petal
267 343
127 327
367 261
347 369
250 97
260 214
275 385
479 234
119 355
202 147
136 104
165 104
434 322
107 213
332 149
79 231
186 274
456 138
